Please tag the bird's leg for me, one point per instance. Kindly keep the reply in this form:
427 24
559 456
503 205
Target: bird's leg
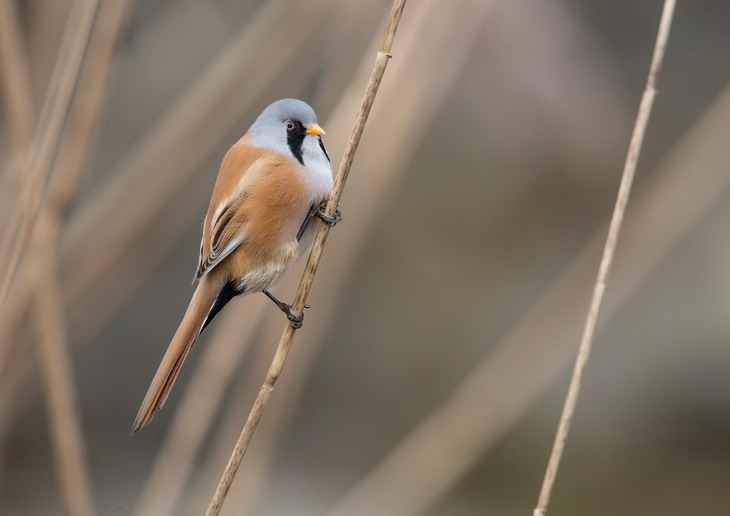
319 212
296 320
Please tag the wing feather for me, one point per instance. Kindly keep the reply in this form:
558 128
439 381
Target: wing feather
228 233
258 194
225 224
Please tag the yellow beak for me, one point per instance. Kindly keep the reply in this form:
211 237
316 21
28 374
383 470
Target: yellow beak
316 130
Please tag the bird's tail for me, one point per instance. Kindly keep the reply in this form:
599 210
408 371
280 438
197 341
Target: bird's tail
208 299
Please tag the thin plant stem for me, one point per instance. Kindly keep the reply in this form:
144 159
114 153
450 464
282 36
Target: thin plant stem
203 394
614 229
46 140
432 68
15 77
20 113
67 435
78 140
66 427
81 133
422 467
310 270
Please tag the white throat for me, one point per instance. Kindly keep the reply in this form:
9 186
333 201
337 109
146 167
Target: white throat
318 173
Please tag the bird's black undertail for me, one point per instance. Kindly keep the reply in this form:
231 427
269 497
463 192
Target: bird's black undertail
228 292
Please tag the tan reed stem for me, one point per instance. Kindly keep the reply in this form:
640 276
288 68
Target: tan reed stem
15 77
66 427
614 229
78 140
432 68
413 476
20 112
194 415
310 270
46 140
67 435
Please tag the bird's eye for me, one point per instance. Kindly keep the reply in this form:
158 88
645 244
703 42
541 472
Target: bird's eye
289 125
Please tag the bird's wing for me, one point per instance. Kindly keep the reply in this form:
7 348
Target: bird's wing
225 223
227 234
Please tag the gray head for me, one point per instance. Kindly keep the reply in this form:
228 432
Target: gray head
283 127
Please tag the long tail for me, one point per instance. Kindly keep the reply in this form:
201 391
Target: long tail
210 296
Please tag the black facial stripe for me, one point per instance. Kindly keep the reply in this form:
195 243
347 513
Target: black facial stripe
321 146
295 138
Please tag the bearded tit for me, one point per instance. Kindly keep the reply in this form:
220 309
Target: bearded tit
261 219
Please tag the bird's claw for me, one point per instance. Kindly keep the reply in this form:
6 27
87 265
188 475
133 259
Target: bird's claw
296 320
332 221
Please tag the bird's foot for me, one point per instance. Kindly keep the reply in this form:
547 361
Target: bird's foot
332 221
295 320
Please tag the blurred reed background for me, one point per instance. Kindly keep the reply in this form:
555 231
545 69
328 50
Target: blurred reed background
430 372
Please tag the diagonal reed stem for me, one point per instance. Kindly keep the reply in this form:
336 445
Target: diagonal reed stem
614 229
46 140
310 270
413 476
57 369
48 307
15 80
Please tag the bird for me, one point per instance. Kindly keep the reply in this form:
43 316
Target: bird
271 187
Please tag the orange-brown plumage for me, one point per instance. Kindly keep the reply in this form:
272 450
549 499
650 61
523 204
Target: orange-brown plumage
270 206
267 184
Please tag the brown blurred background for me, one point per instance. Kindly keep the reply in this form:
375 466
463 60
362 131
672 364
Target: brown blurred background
431 369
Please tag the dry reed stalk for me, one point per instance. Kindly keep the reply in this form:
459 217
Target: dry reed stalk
258 457
48 305
18 105
50 126
310 270
397 125
413 475
69 449
68 440
668 206
195 413
15 77
46 140
614 230
77 141
80 135
206 476
349 32
44 33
